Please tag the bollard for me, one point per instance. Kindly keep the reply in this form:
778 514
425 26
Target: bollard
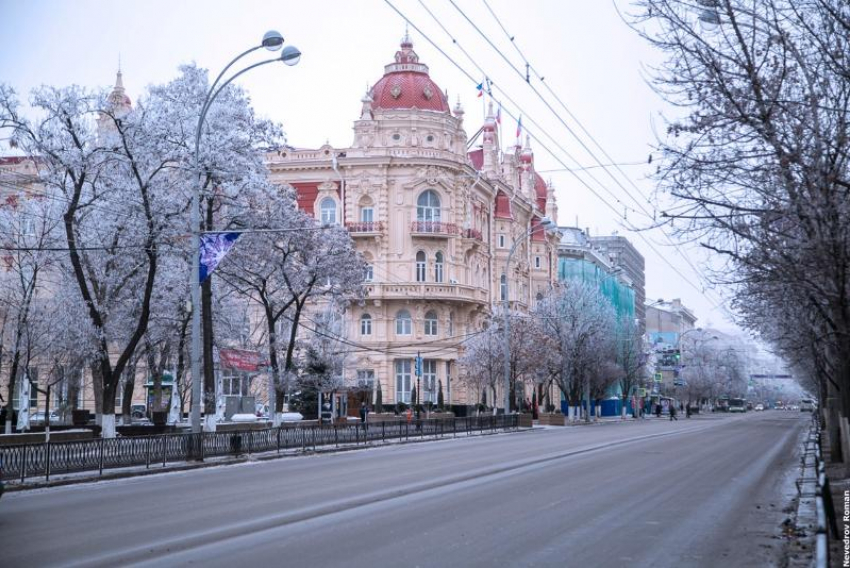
24 464
101 455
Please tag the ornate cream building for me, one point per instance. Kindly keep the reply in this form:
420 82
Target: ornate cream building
434 221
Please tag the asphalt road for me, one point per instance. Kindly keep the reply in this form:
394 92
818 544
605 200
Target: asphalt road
702 492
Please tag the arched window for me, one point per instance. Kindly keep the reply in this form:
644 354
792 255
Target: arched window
438 267
431 323
403 323
503 288
365 324
328 210
428 206
420 266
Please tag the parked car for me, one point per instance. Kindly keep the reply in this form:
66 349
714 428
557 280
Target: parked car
37 418
759 407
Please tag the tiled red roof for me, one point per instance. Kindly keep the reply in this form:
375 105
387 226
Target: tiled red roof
413 90
406 84
537 234
541 190
306 195
503 206
477 158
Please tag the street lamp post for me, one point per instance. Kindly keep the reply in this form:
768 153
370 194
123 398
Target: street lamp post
290 55
545 224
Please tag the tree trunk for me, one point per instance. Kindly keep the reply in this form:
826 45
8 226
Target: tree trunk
97 389
127 396
107 422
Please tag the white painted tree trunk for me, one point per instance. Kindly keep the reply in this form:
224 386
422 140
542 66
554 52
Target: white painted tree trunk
107 425
209 423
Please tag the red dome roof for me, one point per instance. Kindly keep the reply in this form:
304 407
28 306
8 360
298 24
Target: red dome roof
406 84
541 190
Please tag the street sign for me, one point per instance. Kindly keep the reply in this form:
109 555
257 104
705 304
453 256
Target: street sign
658 377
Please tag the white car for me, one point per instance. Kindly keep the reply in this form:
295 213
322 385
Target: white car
37 418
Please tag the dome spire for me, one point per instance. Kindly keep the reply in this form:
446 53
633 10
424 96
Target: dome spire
118 98
405 41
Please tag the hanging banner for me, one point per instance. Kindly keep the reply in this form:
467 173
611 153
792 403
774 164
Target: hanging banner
214 247
242 360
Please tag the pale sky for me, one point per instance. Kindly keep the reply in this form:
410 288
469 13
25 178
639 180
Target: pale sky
591 60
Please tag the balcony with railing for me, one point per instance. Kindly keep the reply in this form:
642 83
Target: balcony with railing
436 229
434 291
365 228
473 234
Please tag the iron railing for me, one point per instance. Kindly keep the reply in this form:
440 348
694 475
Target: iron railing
45 459
433 228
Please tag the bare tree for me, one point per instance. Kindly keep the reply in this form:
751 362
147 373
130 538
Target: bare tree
580 323
756 170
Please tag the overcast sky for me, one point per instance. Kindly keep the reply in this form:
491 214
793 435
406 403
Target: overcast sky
589 58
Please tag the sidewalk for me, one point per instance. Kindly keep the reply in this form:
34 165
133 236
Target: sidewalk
60 479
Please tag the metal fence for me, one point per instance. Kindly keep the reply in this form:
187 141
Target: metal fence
45 459
824 507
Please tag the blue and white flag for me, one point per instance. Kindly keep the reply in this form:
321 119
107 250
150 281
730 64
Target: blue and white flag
214 247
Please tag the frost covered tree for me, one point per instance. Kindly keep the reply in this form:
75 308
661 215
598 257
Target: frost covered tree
30 228
287 264
483 358
755 167
580 325
123 176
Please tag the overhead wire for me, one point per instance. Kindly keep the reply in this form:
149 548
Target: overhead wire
587 133
544 146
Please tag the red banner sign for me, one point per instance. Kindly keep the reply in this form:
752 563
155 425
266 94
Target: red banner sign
242 360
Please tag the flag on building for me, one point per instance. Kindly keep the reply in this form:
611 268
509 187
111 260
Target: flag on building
214 247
